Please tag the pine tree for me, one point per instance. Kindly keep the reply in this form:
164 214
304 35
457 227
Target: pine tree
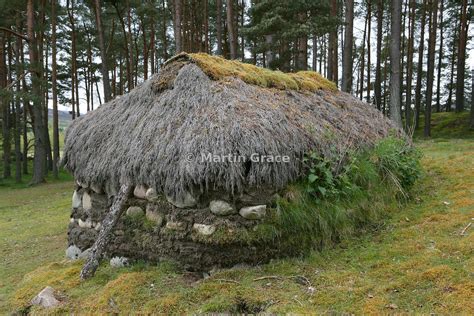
395 102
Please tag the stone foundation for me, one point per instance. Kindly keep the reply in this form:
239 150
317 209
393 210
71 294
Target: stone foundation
199 233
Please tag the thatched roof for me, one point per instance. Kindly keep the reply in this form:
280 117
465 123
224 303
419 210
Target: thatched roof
198 104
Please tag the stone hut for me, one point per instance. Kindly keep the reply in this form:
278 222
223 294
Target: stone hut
208 144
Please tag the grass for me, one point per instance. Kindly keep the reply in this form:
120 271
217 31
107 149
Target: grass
416 261
447 125
32 226
218 68
26 178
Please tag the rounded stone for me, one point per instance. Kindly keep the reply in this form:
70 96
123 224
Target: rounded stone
176 225
85 224
76 199
140 191
119 262
46 298
204 229
73 252
134 211
154 216
151 195
253 212
86 201
221 208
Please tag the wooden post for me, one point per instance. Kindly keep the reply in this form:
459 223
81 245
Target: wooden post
108 225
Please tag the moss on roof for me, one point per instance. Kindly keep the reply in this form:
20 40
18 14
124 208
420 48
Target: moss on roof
218 68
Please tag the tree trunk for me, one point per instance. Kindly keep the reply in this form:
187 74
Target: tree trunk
231 29
314 63
49 152
206 27
325 56
440 58
39 162
322 53
131 83
26 109
75 104
419 72
164 34
378 71
396 8
301 59
302 53
451 78
103 52
108 224
55 92
471 124
369 20
242 25
461 64
177 26
128 47
385 69
18 126
152 47
411 39
269 51
362 60
332 51
17 138
348 44
5 106
431 61
219 26
402 62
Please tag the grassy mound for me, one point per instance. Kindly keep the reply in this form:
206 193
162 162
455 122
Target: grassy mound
218 68
339 199
447 125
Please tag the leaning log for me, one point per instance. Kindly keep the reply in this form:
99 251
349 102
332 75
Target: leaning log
111 219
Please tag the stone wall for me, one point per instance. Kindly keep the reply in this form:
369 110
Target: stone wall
200 232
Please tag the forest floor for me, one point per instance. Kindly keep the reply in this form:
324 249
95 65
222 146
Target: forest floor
420 261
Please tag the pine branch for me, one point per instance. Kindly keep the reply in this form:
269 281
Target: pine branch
7 30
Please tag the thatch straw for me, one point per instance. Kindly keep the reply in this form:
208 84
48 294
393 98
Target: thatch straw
147 136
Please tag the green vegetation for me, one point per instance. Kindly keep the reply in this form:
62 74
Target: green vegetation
413 259
339 199
219 68
32 230
25 182
447 125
